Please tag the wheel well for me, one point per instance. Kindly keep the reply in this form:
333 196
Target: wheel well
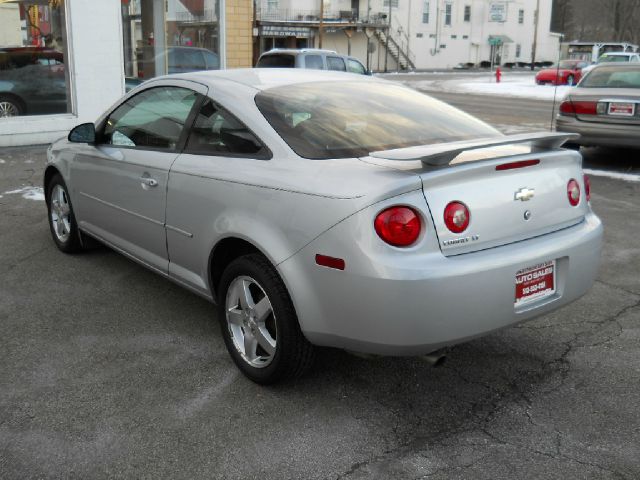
48 175
225 252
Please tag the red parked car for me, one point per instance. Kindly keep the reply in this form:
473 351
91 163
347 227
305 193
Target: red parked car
567 72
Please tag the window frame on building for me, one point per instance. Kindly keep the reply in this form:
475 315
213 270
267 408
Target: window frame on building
425 11
448 14
521 16
467 13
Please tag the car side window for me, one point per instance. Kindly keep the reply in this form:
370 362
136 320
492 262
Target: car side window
355 66
216 132
314 62
152 119
336 63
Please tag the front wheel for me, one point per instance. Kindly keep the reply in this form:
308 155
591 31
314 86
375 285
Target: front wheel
259 324
62 221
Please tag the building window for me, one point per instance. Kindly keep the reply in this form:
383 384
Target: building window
466 37
189 41
518 50
272 6
521 16
454 36
425 12
419 35
467 13
447 14
34 78
394 3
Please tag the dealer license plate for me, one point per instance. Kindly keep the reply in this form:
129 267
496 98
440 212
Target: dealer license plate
622 109
535 282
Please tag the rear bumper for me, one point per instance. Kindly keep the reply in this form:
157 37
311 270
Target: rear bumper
600 134
417 304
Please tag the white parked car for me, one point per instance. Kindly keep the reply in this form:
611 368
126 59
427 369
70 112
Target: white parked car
614 57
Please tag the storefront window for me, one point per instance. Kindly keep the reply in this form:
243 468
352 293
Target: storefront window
34 79
169 36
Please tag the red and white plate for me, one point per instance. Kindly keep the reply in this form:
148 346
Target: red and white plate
622 109
535 282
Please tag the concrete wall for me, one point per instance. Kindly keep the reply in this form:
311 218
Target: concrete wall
96 66
10 34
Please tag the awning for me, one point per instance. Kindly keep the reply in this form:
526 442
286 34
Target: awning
499 39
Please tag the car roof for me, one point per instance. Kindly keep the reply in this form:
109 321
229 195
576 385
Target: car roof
296 51
264 78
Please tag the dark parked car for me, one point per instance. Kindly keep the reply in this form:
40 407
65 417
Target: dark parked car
32 81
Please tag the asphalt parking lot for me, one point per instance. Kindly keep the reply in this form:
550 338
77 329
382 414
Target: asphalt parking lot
109 371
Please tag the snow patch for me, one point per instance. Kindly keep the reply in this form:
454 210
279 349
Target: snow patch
30 193
2 161
627 177
512 85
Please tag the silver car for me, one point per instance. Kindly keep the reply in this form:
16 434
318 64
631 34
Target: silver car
605 107
329 209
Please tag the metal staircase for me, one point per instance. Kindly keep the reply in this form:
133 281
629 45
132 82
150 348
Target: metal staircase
398 46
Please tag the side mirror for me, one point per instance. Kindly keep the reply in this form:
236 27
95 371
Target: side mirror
84 133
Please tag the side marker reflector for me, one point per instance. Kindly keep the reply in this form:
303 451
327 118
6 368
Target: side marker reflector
331 262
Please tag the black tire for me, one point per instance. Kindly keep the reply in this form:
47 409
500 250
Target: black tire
10 106
70 243
293 354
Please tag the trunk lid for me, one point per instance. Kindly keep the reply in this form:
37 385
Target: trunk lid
505 205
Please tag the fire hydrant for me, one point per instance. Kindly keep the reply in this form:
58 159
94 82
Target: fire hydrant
498 75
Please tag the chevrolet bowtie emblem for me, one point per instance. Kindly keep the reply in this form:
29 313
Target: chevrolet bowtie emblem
524 194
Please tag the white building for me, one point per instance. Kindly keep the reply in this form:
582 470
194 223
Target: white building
422 33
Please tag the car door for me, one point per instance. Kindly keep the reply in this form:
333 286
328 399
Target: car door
120 184
206 187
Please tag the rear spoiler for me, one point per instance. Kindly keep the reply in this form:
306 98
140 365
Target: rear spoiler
442 154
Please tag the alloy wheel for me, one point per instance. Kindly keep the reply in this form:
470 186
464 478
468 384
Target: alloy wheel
251 321
8 109
60 213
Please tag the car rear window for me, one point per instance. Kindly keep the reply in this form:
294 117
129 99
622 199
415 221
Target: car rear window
323 120
277 61
612 77
314 62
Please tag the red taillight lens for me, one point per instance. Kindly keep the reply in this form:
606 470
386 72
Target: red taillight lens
398 226
585 108
587 187
456 217
573 192
566 108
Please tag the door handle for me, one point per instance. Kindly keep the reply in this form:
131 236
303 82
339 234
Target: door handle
148 181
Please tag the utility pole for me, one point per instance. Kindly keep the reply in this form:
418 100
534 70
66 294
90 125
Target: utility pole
534 45
321 26
386 47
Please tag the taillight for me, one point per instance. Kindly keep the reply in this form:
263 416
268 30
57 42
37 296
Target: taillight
398 226
587 187
456 217
573 192
566 108
585 108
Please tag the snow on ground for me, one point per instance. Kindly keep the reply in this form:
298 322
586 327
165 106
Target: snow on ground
2 161
30 193
512 85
